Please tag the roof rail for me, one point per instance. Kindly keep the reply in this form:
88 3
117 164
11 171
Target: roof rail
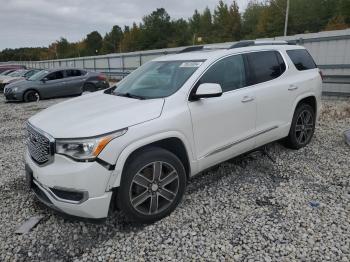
191 48
246 43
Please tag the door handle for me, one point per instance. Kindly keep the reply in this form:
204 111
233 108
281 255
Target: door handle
247 99
292 87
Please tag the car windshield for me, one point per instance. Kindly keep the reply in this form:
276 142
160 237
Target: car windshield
5 72
38 76
17 73
30 73
157 79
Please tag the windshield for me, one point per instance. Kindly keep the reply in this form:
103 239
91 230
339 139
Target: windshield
30 73
157 79
38 76
17 73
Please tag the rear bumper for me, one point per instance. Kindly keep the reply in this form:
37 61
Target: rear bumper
65 175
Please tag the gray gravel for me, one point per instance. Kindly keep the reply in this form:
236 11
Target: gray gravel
247 209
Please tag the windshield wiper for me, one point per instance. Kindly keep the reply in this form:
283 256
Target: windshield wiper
130 96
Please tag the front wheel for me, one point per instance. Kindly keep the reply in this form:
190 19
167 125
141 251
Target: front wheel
31 96
152 185
302 128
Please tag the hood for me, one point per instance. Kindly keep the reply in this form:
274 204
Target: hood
18 83
11 79
95 114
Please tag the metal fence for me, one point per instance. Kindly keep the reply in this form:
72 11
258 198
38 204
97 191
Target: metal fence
331 51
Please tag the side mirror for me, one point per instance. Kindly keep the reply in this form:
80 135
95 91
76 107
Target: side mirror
207 90
44 79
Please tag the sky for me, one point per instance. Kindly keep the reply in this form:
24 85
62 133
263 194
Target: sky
32 23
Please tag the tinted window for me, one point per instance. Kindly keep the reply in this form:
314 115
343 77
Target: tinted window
301 59
228 72
265 66
55 75
72 73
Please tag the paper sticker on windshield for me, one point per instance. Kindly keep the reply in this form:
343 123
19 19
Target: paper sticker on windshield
191 64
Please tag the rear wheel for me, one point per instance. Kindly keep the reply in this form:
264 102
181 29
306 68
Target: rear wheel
152 185
31 96
87 88
302 128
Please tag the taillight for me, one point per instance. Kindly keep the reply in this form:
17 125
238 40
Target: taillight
321 74
101 77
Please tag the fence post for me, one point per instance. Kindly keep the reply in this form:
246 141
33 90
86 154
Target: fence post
109 66
140 58
122 66
94 64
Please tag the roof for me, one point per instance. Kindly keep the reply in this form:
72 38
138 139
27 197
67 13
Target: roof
208 54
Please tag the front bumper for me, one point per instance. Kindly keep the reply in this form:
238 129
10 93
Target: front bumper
12 96
88 178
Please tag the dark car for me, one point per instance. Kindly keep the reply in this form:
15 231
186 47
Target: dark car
5 67
16 76
55 83
6 72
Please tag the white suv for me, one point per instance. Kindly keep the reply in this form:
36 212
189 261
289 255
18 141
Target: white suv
136 144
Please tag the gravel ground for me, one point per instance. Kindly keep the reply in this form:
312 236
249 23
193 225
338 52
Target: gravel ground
247 209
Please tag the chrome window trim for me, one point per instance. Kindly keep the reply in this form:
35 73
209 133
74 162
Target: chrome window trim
245 87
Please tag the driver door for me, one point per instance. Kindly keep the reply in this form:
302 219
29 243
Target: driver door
224 126
52 87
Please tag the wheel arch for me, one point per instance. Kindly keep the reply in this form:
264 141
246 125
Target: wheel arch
309 99
173 143
31 89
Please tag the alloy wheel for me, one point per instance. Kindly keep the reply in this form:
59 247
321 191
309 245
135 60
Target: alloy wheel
304 127
154 188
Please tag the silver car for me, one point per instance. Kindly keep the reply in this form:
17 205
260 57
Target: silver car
55 83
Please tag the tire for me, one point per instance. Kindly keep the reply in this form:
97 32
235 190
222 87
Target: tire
302 128
89 88
141 196
31 96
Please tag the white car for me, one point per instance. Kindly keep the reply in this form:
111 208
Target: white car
16 76
135 145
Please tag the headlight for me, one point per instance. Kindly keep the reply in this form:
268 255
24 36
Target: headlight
14 89
86 149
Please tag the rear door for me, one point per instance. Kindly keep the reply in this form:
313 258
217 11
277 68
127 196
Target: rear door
273 98
73 82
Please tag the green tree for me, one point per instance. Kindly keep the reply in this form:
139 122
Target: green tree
93 43
111 41
156 29
181 34
205 30
250 19
131 39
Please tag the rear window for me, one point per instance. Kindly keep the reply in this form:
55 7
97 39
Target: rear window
72 73
264 66
301 59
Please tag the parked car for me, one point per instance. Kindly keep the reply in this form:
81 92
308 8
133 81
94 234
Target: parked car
137 144
55 83
6 72
5 67
16 76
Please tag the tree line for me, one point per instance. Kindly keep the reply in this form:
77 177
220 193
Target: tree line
224 23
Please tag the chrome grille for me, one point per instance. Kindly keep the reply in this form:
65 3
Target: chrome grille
7 91
39 145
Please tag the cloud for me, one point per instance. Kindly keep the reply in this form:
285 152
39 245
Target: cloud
40 22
